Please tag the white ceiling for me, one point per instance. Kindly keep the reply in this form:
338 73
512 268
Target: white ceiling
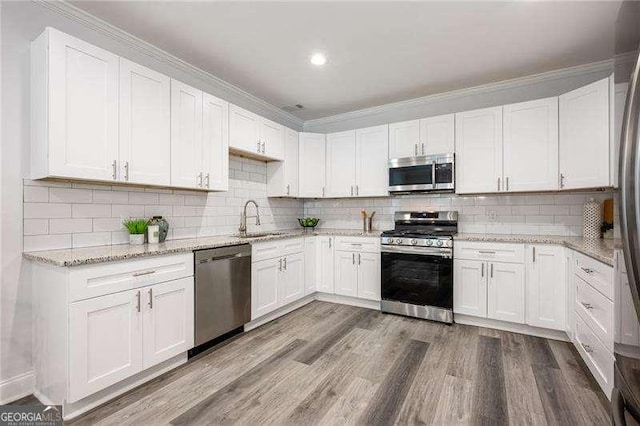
378 52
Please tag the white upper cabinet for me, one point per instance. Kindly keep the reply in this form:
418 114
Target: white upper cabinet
282 176
215 143
619 99
74 96
584 137
437 135
341 161
479 151
145 137
186 136
311 165
372 173
255 136
404 139
244 130
531 145
546 286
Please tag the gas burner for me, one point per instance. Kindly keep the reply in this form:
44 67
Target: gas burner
422 229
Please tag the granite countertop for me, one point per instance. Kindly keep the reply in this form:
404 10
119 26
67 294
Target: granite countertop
112 253
599 249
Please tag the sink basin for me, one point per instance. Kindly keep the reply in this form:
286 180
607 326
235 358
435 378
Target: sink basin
260 234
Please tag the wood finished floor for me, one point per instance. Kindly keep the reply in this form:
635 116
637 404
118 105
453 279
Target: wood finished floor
334 364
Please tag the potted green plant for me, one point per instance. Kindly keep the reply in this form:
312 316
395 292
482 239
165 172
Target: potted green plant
137 229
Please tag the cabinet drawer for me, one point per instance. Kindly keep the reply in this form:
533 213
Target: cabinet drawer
595 354
596 310
361 244
498 252
96 280
597 274
273 249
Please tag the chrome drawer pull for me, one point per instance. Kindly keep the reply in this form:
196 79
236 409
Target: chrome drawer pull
587 348
139 274
138 301
587 270
587 305
486 252
151 298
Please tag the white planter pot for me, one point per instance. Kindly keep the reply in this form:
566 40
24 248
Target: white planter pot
136 239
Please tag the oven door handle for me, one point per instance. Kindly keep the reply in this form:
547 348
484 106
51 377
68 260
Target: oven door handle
422 251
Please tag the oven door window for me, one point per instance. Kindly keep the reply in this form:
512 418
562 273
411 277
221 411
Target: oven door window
411 175
417 279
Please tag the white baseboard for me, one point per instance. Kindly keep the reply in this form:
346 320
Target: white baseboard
513 327
17 387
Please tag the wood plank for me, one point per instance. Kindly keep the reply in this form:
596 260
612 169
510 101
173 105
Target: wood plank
454 405
463 362
388 399
559 405
351 404
540 353
489 396
202 411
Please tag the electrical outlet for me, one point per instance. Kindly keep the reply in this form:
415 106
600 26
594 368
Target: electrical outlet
493 215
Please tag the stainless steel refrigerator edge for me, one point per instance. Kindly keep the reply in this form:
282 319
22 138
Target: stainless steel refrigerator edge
625 396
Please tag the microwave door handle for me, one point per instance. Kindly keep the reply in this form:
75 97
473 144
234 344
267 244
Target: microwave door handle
433 174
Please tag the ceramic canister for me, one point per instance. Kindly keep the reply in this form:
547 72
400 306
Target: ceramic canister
153 234
592 219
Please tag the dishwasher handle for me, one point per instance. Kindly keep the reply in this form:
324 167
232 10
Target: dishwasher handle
222 253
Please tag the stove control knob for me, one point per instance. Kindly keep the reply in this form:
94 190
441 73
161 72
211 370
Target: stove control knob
439 243
414 242
390 240
429 242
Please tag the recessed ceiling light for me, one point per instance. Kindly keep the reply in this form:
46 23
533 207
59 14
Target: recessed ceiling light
318 59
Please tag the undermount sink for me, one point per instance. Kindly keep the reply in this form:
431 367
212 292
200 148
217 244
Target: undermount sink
260 234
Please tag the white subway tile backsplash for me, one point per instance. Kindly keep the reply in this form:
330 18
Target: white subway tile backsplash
36 194
70 195
555 210
107 224
91 210
36 226
46 242
110 197
46 210
126 211
91 239
69 226
143 198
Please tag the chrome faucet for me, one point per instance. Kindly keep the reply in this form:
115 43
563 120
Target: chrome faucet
243 218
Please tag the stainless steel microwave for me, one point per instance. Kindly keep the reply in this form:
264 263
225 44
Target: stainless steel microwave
426 173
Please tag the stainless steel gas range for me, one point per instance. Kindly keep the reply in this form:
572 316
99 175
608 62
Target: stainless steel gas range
417 265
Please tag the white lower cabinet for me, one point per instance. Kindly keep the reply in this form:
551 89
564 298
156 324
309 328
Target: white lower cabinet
311 263
505 292
278 280
546 286
357 274
469 288
346 273
325 265
369 265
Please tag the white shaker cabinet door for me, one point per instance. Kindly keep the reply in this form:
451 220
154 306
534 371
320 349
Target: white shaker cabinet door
346 273
584 137
341 160
264 287
546 287
404 139
479 151
372 172
215 143
168 320
83 109
292 285
272 139
326 277
437 135
244 130
531 145
470 287
291 154
186 136
311 263
145 134
105 342
505 292
312 165
369 275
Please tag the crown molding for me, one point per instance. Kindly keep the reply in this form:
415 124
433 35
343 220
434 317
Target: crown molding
96 24
485 88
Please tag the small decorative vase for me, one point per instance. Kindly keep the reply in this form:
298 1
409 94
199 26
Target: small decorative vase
163 226
592 219
136 239
153 234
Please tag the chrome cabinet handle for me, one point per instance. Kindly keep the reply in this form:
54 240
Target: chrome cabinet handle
151 298
259 145
329 242
587 305
587 348
423 149
200 179
492 270
352 190
323 191
114 167
561 180
126 171
263 147
498 184
415 149
359 259
587 270
280 264
482 271
357 190
207 177
486 252
138 301
284 264
507 183
353 258
288 189
139 274
534 255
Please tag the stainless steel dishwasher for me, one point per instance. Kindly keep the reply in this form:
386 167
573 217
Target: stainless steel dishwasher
223 291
